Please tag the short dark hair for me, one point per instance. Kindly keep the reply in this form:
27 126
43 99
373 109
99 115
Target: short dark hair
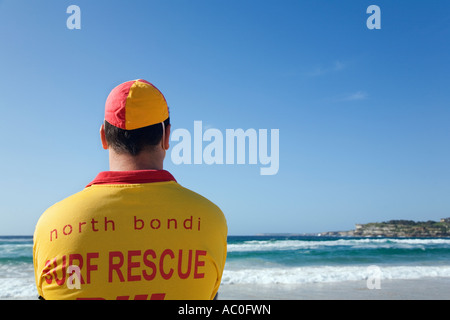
134 141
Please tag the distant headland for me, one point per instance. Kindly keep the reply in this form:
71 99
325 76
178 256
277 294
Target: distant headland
398 229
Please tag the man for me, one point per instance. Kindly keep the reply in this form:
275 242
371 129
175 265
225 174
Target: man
133 232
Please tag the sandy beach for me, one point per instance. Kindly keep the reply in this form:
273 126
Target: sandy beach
418 289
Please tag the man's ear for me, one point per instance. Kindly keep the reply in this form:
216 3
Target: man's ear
167 137
103 137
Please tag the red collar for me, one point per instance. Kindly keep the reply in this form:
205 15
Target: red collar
132 177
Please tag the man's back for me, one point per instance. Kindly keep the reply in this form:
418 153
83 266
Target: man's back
133 235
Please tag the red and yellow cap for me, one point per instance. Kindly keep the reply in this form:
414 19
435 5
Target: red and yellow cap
135 104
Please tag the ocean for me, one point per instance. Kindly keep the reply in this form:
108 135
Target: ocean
280 267
16 268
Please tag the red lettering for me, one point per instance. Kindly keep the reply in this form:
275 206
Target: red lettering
115 266
79 258
158 296
154 296
180 262
174 221
56 234
64 230
138 221
106 224
165 275
135 266
158 224
185 222
149 264
90 267
61 281
198 263
47 272
79 226
132 265
93 222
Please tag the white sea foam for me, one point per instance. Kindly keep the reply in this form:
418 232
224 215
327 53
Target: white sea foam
20 285
17 281
268 245
298 275
18 288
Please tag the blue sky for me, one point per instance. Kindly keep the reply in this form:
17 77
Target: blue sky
363 114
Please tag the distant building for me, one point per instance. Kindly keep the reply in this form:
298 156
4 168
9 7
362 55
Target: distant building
446 220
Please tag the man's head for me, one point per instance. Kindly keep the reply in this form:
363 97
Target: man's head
136 120
134 141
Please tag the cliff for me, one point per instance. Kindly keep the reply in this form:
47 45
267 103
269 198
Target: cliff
398 229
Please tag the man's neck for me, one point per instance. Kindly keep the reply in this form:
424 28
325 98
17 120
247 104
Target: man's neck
145 160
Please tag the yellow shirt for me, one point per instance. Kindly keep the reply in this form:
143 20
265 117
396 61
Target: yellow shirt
131 235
